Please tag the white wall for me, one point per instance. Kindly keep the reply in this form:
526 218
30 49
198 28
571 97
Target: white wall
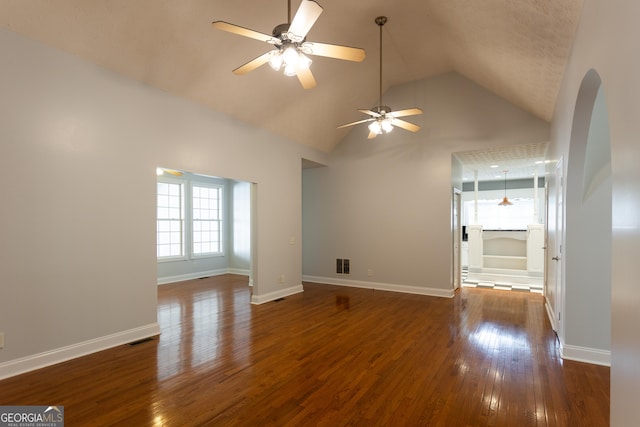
587 259
240 241
606 41
78 151
386 203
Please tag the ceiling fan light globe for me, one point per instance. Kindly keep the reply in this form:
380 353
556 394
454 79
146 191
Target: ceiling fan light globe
290 56
275 61
387 125
290 70
375 127
304 62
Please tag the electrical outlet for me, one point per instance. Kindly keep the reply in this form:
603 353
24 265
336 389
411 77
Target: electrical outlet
369 272
1 339
281 278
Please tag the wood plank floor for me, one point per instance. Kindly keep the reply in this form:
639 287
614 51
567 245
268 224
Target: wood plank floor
331 356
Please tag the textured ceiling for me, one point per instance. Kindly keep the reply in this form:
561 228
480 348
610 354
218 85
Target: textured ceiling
519 161
516 49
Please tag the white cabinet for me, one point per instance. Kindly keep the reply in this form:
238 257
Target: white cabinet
474 239
504 249
465 254
514 256
535 248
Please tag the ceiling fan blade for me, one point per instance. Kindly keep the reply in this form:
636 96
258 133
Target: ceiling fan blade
371 113
306 78
408 112
172 172
372 135
253 64
405 125
334 51
236 29
353 123
305 17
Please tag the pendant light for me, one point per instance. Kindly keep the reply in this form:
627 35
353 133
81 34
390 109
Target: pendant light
505 201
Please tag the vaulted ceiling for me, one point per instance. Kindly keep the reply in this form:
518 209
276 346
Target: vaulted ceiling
515 48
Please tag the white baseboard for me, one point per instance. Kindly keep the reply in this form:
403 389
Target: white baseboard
551 316
48 358
199 274
281 293
587 355
433 292
239 271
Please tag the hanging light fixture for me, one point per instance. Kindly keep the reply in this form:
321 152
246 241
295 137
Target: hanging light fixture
382 119
382 123
289 55
505 201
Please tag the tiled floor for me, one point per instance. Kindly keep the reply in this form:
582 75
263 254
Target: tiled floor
505 286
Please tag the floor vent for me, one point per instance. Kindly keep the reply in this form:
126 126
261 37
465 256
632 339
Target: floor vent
131 344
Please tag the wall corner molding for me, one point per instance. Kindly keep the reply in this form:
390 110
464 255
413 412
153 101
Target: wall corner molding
586 355
280 293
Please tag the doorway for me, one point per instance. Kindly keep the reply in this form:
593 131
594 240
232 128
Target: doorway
585 261
456 225
206 221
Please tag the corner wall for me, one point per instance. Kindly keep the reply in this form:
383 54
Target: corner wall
386 203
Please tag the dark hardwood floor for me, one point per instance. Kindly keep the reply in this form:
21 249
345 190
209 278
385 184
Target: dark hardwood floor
331 356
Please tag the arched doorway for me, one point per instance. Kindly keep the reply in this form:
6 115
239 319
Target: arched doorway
585 297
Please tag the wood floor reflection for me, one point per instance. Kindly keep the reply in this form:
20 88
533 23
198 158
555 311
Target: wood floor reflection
330 356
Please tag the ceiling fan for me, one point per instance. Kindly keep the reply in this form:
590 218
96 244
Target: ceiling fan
383 119
291 46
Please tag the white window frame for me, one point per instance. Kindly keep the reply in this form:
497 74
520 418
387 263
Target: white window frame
181 218
217 221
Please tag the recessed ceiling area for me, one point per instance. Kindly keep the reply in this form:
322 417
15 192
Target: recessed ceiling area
515 49
521 161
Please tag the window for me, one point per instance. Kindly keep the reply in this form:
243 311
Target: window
170 220
493 217
206 219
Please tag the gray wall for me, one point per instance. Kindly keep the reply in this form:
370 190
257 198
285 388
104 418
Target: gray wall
588 236
77 260
606 41
386 203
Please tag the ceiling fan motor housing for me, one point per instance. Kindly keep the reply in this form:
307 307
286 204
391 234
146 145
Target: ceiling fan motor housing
382 109
381 20
282 32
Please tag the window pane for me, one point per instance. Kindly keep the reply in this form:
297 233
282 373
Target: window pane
206 215
170 217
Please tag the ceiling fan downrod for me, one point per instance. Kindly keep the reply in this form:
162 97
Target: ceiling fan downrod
380 20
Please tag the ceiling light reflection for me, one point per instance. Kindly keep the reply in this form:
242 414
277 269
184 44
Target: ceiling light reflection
490 337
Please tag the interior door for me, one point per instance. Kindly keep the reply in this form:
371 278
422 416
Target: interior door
559 244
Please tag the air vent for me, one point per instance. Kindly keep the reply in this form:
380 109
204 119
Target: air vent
343 265
142 341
